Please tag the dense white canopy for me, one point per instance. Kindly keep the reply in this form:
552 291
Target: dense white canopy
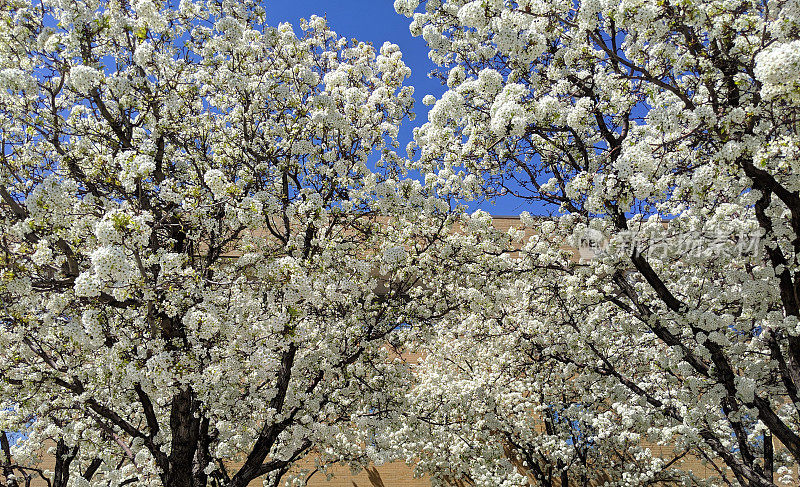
664 136
192 236
210 255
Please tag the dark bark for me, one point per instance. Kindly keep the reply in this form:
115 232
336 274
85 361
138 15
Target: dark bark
185 428
252 467
8 470
149 411
64 457
92 468
769 459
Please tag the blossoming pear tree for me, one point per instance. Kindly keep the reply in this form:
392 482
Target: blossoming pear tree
491 405
499 399
664 137
201 276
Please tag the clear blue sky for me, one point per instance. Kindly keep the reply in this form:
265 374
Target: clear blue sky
376 21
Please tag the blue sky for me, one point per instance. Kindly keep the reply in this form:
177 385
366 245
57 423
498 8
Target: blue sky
376 22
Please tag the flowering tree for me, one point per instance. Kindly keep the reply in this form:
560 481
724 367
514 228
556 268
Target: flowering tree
500 398
192 238
623 115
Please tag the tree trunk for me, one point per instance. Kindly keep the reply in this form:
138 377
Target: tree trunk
185 434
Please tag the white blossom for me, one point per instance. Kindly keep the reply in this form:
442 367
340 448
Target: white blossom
84 78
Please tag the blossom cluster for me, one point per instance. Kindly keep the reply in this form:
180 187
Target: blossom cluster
193 216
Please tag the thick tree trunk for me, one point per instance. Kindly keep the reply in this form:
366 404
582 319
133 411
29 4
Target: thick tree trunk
64 457
769 461
185 434
8 471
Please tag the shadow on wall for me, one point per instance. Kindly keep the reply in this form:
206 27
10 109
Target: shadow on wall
374 478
